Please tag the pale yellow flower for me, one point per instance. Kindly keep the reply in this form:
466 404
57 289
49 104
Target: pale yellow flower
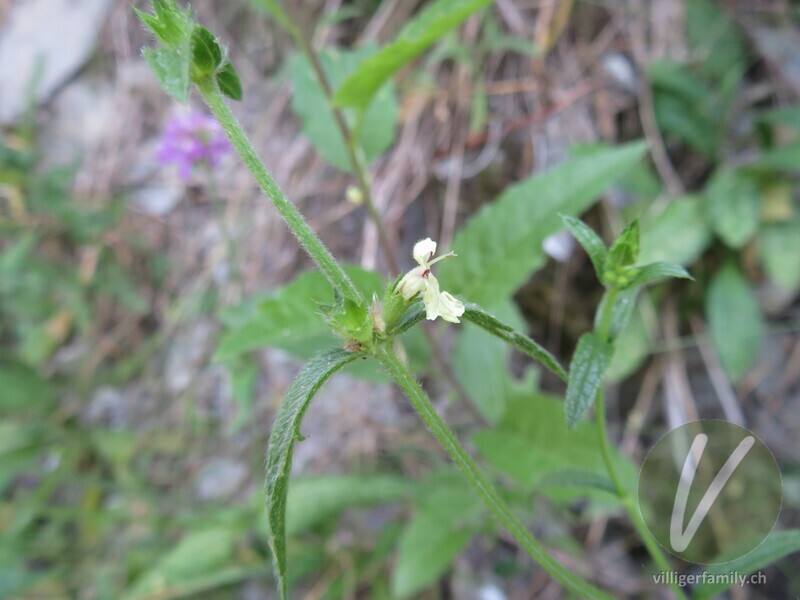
421 280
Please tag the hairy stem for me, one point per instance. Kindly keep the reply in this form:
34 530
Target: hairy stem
479 483
603 332
309 240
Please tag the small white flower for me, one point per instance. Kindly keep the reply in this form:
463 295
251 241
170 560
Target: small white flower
421 280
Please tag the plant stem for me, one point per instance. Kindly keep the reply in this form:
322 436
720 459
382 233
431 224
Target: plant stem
354 154
479 483
306 236
603 332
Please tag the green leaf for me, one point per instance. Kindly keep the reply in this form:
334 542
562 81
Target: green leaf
777 545
532 441
430 542
500 246
734 321
658 270
679 234
631 348
733 202
580 478
714 39
171 25
621 312
171 67
521 342
312 500
206 52
194 556
419 33
374 132
589 241
589 364
480 361
779 252
229 83
625 249
784 158
289 317
285 432
789 115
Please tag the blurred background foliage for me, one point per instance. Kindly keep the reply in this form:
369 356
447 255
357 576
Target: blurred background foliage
150 325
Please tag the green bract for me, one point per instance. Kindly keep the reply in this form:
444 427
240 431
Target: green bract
190 53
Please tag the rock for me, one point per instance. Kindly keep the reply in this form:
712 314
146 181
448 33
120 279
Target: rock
107 406
45 42
220 478
186 354
82 116
157 200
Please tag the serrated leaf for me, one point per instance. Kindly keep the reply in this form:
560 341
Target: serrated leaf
505 332
229 83
589 241
191 559
314 499
289 317
778 544
172 68
679 234
734 321
624 303
417 35
779 252
206 52
376 129
285 432
500 246
586 371
658 270
733 202
171 25
532 440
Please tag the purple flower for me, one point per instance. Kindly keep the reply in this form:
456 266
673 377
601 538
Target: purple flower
192 139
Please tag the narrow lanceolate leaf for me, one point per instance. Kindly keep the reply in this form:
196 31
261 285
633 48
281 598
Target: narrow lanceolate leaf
285 432
590 242
519 341
500 246
621 312
777 545
589 364
427 27
658 270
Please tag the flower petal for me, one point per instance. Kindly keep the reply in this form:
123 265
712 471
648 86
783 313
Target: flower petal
424 251
413 283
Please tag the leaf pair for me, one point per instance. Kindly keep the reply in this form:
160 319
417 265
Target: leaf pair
615 269
191 53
